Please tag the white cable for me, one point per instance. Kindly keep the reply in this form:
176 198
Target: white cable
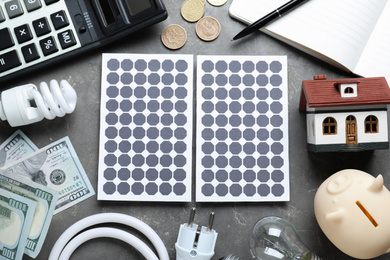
109 218
110 233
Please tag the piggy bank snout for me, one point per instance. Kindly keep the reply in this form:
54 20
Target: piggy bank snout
339 183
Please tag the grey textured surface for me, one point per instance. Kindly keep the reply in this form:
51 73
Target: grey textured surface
232 220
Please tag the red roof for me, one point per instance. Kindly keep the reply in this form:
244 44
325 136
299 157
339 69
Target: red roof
325 93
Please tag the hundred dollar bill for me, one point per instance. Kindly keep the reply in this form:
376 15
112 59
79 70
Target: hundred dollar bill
16 215
17 146
45 199
58 167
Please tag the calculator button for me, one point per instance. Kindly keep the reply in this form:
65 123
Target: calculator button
13 8
66 39
2 17
41 26
48 46
49 2
9 60
30 52
32 5
23 33
59 19
6 39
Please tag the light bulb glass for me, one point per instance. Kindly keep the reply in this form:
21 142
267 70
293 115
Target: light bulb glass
274 238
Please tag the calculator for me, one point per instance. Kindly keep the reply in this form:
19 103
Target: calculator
35 34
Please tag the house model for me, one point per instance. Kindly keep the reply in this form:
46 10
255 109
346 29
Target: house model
346 114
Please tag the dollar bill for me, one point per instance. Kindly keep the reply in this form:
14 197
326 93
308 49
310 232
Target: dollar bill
17 146
16 215
45 199
58 167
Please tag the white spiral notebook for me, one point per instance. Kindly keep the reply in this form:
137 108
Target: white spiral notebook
352 35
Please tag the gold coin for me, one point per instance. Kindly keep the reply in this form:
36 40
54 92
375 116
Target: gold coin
208 28
192 10
217 2
202 1
174 36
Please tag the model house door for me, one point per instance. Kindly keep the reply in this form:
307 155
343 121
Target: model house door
351 130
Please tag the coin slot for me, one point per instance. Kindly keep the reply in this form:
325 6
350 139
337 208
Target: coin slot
368 215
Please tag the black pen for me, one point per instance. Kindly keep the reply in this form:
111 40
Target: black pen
268 18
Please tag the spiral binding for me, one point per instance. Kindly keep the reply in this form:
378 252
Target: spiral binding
56 101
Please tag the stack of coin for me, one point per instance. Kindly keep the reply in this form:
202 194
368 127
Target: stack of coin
207 28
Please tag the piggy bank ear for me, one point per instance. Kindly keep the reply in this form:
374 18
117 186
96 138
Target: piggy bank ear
335 217
377 184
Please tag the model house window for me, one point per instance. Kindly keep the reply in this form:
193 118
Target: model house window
329 126
371 124
348 90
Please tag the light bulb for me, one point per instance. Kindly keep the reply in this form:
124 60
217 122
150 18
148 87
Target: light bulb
25 105
273 238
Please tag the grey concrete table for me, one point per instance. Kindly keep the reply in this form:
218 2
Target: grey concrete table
232 220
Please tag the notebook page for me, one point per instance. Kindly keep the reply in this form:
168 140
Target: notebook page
338 29
375 60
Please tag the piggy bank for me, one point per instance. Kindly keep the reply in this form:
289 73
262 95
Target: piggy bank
353 210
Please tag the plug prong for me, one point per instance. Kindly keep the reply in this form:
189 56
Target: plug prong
211 222
192 217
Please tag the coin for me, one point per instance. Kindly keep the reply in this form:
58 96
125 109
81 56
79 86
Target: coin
217 2
174 36
202 1
208 28
192 10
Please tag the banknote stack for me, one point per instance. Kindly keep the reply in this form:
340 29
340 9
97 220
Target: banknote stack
26 210
35 184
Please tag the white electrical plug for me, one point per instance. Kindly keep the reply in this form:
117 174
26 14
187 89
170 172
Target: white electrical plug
196 242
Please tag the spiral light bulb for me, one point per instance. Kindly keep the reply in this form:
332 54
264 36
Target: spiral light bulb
26 104
273 238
